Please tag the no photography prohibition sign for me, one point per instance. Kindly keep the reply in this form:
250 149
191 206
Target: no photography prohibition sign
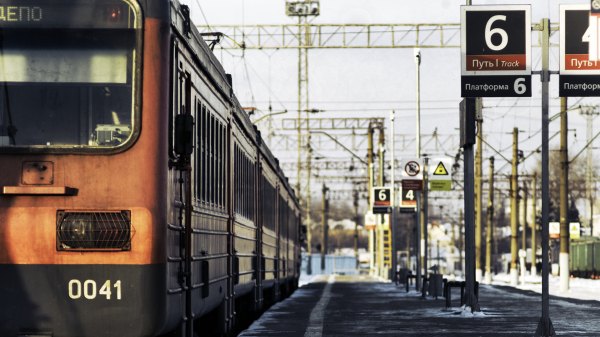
495 51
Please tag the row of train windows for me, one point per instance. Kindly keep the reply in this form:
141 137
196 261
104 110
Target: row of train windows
211 139
244 184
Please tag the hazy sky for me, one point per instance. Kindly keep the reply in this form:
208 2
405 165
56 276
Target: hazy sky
370 82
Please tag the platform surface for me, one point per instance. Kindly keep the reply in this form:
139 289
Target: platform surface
362 306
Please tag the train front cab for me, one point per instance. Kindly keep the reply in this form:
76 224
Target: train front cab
83 182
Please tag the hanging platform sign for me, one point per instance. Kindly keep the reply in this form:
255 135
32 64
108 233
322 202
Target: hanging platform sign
440 178
495 49
579 51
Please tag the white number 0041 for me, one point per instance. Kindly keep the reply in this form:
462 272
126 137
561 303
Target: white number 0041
89 289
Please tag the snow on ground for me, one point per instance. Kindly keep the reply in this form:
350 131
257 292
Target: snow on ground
583 289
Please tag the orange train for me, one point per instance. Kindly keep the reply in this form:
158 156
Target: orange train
136 196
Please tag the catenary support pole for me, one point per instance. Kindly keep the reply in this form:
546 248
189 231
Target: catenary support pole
478 196
564 198
418 239
381 217
425 214
545 327
533 224
356 227
418 194
393 200
308 219
514 206
424 224
489 232
324 228
524 237
371 231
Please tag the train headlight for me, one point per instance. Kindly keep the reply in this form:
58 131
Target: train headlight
93 230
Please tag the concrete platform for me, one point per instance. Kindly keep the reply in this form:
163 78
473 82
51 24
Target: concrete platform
362 306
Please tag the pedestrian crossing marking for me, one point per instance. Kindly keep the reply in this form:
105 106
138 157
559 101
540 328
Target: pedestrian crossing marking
440 170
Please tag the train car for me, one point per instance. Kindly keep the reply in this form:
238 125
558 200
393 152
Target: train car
584 257
136 198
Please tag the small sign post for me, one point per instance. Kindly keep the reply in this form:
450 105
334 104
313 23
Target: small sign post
382 200
440 178
412 174
370 221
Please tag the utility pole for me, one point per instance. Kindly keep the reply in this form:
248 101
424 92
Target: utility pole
308 219
380 239
564 198
418 225
394 256
490 217
371 232
356 227
478 197
514 206
425 214
590 112
533 225
524 259
324 244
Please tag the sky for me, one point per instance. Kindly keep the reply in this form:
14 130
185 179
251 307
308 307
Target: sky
371 82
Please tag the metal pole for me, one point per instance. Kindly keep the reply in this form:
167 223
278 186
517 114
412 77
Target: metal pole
478 198
308 219
524 238
545 327
425 240
533 225
418 239
470 298
418 196
418 134
324 228
564 198
393 201
371 232
461 241
514 206
425 213
490 217
380 235
356 227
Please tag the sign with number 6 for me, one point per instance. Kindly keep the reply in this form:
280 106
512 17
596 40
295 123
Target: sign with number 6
496 51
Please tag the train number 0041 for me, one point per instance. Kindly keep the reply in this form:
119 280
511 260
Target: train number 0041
89 289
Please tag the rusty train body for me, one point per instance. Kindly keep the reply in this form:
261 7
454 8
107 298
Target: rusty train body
106 229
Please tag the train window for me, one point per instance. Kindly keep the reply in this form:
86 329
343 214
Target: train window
68 74
224 166
205 154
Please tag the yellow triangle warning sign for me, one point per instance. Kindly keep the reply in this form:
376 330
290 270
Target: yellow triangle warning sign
574 229
440 170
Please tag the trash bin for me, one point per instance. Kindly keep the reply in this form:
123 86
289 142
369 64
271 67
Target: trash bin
436 285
